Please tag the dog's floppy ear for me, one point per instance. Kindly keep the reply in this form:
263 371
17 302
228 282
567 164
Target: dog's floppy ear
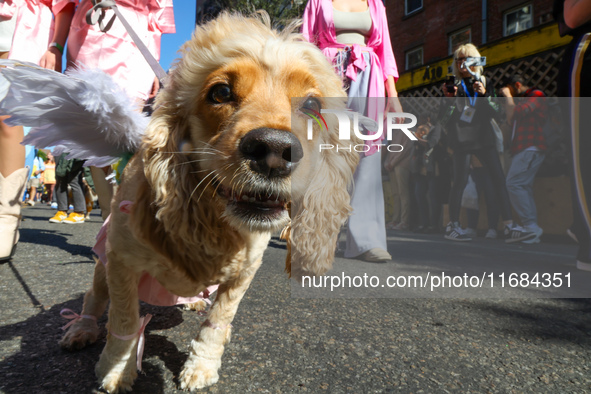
165 168
162 201
317 217
160 195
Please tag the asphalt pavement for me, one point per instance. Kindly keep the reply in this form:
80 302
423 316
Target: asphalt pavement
471 338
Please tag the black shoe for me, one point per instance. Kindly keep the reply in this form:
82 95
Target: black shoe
515 233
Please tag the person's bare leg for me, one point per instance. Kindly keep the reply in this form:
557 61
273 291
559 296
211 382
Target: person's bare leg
12 153
13 177
104 189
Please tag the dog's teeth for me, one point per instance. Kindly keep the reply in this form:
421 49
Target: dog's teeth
245 198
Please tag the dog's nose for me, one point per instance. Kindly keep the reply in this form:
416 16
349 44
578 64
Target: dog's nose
272 153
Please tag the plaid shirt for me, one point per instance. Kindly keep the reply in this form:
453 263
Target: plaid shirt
529 116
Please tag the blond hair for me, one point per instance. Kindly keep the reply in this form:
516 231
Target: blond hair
466 50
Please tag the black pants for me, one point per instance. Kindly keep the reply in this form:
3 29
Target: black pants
429 204
74 180
491 162
485 187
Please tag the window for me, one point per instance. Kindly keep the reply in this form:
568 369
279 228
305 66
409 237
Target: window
518 19
414 58
458 38
411 6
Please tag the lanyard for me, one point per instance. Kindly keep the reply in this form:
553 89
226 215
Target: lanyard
472 100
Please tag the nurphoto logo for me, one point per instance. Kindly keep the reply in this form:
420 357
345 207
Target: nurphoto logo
374 130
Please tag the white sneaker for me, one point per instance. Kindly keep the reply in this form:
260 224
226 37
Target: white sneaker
375 255
470 232
536 230
583 266
491 234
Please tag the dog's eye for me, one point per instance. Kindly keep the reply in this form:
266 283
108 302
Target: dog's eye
220 94
312 103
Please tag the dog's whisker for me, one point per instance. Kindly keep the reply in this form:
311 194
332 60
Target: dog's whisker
190 162
209 146
236 173
211 150
198 171
205 188
195 151
218 186
200 182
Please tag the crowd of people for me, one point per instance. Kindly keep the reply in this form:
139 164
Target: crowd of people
65 185
458 157
455 159
457 154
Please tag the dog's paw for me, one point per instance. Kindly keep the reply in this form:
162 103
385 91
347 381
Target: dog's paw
116 377
82 333
199 373
118 383
198 306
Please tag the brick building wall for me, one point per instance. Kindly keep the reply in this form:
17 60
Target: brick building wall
431 26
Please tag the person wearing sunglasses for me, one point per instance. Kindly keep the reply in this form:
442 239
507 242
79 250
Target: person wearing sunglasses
469 119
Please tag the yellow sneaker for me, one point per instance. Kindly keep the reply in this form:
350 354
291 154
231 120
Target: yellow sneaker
59 217
74 218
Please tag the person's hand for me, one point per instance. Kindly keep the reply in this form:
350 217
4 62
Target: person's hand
449 94
505 91
394 105
479 88
52 59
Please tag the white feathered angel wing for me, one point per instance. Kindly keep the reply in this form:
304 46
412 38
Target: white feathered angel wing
84 113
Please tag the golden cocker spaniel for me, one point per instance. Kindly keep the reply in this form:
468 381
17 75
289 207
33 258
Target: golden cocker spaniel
224 163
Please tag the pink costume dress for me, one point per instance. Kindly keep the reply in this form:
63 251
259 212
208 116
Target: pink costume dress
366 68
114 51
318 28
34 28
7 24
